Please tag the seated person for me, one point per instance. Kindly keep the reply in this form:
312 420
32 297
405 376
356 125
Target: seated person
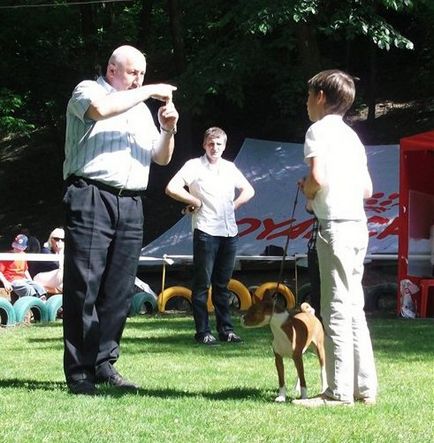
50 273
33 247
14 274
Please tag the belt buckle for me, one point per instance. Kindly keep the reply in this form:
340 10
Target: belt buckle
120 192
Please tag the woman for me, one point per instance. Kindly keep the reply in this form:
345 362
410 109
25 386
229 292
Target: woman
50 275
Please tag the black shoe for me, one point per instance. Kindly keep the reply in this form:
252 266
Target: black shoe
207 339
230 337
118 381
83 387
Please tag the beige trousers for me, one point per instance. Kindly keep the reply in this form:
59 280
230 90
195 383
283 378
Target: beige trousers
350 366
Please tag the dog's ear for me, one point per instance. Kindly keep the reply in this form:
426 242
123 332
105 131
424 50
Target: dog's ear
268 295
255 299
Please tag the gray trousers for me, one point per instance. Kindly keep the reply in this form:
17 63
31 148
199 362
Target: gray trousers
24 287
350 367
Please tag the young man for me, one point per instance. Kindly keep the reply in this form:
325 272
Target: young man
212 182
338 182
111 140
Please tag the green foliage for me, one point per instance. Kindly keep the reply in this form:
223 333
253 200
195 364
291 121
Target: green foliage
248 53
10 105
237 55
303 9
351 17
355 17
244 61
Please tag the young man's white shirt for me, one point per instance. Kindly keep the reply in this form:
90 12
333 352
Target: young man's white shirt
214 185
345 169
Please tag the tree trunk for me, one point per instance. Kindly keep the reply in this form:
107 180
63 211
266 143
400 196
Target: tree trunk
185 135
177 37
307 49
372 83
144 25
88 31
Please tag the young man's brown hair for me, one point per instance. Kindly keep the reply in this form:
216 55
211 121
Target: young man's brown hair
214 132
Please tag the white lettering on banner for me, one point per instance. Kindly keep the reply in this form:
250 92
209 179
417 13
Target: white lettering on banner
273 169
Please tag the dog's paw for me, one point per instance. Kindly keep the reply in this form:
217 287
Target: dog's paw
297 388
281 398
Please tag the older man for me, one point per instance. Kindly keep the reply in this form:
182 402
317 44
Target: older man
111 140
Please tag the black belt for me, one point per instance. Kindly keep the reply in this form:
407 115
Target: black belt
119 192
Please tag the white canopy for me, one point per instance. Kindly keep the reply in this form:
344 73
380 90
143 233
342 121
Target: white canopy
273 169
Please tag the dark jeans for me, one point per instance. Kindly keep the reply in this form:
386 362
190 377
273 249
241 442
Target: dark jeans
103 241
213 264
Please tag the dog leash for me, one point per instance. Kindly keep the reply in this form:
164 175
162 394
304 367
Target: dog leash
285 250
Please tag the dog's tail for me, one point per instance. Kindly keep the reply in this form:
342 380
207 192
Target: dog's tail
306 307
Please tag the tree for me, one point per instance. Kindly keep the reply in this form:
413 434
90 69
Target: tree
243 64
10 107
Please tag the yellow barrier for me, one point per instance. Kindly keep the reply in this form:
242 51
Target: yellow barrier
174 291
242 293
281 289
234 286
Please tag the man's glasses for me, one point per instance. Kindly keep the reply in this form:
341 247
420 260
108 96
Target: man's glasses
58 239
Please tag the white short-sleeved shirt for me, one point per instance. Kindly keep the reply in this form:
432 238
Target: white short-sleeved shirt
346 172
214 185
116 151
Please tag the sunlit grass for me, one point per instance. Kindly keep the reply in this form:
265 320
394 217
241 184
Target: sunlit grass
195 394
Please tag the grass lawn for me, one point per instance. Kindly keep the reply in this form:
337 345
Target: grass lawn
197 394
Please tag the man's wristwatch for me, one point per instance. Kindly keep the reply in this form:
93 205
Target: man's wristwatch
169 131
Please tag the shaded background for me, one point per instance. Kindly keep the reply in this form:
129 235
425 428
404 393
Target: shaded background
239 65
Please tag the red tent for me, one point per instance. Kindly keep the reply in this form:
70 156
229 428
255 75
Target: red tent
416 212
